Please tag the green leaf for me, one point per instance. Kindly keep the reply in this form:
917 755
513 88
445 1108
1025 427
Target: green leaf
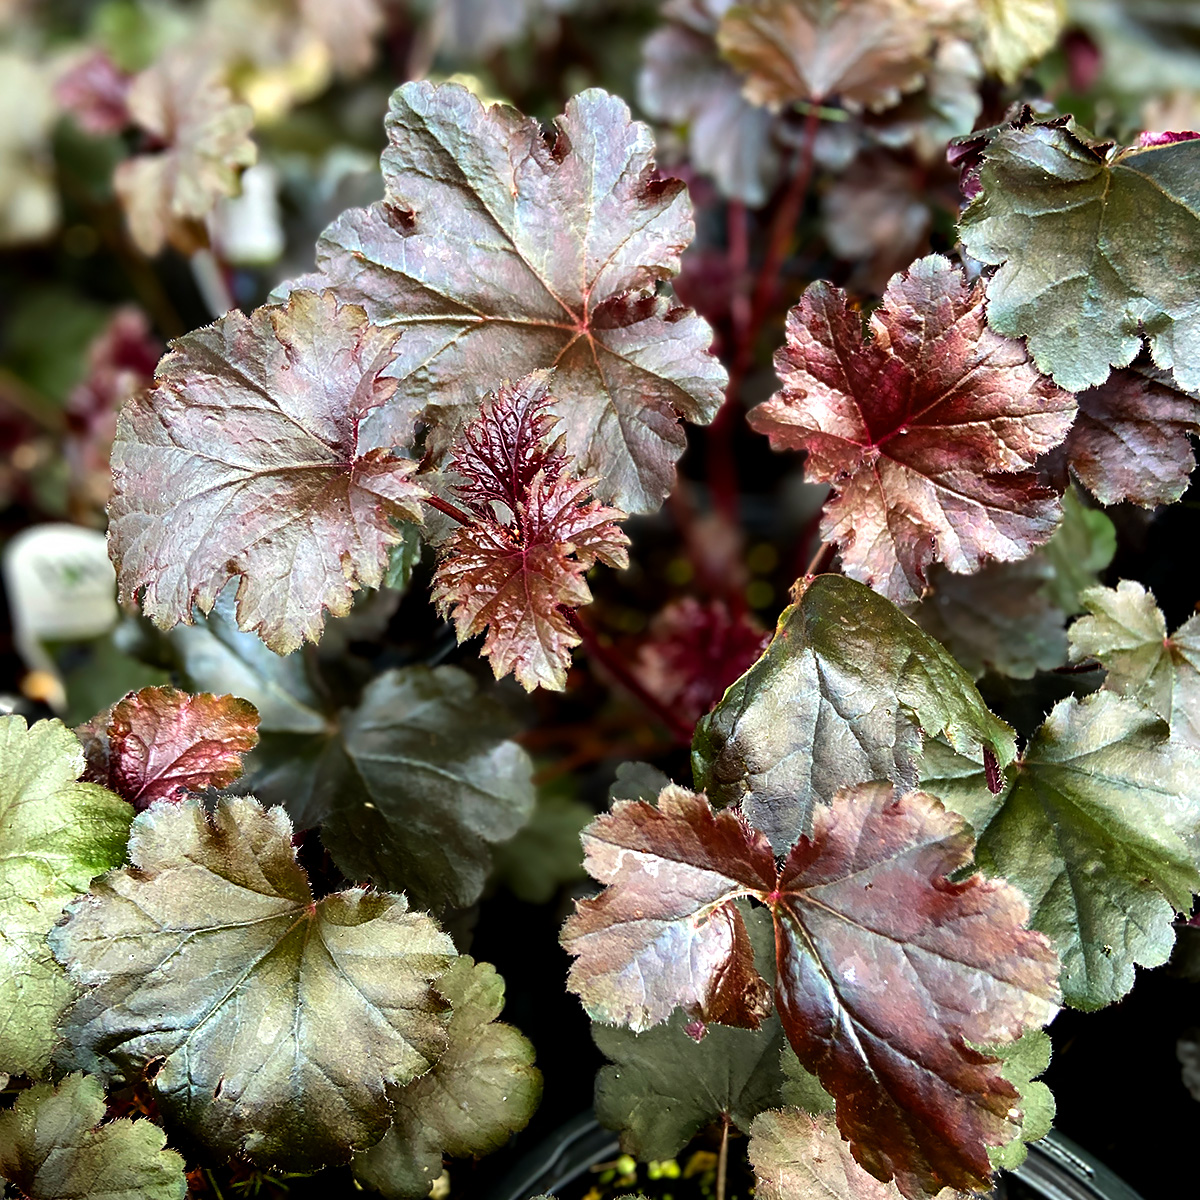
482 1090
269 1024
1024 1060
403 557
546 853
1099 826
1128 634
1016 33
1095 248
428 781
637 781
55 835
840 697
663 1085
1082 546
53 1146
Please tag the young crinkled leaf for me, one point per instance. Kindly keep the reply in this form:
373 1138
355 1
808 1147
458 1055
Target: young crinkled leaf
482 1090
864 52
875 950
1099 827
684 83
160 744
56 1145
841 696
929 431
1126 631
246 461
55 835
1095 247
1130 440
205 136
535 533
269 1024
499 253
1024 1060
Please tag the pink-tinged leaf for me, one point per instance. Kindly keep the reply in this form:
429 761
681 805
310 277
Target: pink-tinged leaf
665 933
245 461
161 744
1165 139
887 970
1130 440
536 531
928 431
694 651
500 252
205 141
95 91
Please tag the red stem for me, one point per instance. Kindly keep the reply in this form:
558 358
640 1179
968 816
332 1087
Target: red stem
450 510
621 673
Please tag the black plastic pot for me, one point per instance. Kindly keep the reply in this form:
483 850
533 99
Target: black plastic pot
1056 1169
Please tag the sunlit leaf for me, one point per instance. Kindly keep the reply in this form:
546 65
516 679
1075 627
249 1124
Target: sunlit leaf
269 1024
1024 1060
55 1145
55 835
245 461
499 252
929 431
1016 33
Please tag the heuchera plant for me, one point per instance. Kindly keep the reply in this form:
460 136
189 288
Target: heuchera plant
234 899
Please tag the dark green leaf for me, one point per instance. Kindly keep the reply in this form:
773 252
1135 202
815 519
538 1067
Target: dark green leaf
546 853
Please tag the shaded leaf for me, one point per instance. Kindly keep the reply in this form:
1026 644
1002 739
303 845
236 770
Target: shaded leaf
545 853
404 557
269 1024
245 461
929 431
1126 631
167 194
425 781
1016 33
53 1145
55 835
482 1090
536 532
1082 546
684 83
498 253
875 950
1100 827
865 53
1094 249
161 744
637 781
1130 440
841 696
802 1089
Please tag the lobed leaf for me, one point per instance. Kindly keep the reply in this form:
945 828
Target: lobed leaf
161 743
498 253
536 532
1024 1060
269 1024
482 1090
1100 827
929 431
1126 631
1094 248
56 834
55 1144
1082 546
841 696
246 461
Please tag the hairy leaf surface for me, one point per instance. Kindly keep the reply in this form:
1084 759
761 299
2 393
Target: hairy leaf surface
1100 827
929 431
1095 248
875 950
269 1024
1024 1060
161 743
1126 631
55 835
53 1146
840 697
481 1091
245 461
498 253
535 534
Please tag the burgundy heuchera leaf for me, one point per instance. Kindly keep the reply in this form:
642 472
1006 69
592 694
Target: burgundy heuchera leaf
535 532
244 460
95 91
876 950
928 431
161 743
